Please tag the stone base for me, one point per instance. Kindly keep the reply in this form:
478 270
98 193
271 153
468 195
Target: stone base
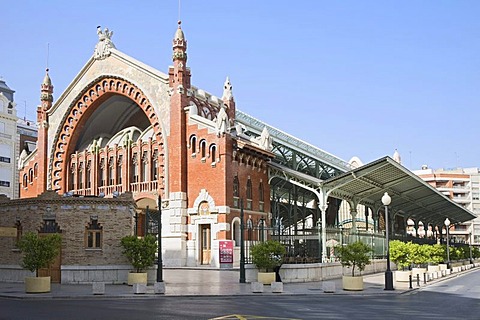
277 287
257 287
98 288
139 288
159 287
328 287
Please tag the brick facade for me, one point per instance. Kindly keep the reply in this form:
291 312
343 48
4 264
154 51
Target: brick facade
180 143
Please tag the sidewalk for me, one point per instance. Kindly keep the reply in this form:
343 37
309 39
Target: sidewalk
202 282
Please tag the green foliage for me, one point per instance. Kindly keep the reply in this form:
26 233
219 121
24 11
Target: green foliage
140 252
39 251
438 254
401 253
475 252
267 255
356 254
420 254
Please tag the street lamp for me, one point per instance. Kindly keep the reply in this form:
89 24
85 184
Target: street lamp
447 225
386 199
470 247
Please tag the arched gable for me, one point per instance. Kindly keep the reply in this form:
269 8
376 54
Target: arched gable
78 112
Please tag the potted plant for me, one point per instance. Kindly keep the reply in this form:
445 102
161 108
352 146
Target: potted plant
267 256
401 255
140 252
39 252
354 255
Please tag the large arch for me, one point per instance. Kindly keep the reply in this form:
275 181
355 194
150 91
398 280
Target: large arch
78 114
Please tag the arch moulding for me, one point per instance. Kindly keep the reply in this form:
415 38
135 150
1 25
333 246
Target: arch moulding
78 112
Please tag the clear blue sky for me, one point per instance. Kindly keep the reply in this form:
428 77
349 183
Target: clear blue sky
354 78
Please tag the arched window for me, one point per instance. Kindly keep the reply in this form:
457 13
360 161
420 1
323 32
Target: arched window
119 169
249 194
236 192
30 175
135 167
111 171
155 165
213 154
102 174
25 180
88 176
236 232
261 197
35 170
145 166
203 149
80 175
193 145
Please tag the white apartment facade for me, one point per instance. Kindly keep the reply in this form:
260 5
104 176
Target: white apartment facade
462 185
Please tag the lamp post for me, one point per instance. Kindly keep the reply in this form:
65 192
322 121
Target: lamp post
159 227
386 200
242 245
470 247
447 225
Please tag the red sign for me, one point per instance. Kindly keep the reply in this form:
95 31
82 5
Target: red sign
226 251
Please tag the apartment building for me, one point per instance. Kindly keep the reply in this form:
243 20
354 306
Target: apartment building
462 185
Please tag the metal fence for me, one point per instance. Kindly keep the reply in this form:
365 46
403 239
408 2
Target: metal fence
306 246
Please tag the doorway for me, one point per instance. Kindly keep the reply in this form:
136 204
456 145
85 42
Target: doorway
205 244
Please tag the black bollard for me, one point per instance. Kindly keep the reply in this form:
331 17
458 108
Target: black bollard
418 280
410 281
424 278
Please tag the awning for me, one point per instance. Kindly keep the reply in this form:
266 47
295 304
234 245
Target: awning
410 194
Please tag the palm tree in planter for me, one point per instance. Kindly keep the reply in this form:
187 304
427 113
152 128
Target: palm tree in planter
140 252
39 252
354 255
266 256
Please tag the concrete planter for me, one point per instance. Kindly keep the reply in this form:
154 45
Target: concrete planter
37 284
402 276
419 271
266 277
442 266
433 268
134 277
352 283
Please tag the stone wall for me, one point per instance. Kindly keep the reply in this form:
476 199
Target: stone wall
314 271
71 216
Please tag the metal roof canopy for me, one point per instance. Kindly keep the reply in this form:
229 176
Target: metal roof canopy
410 194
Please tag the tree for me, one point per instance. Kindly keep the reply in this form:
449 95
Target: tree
356 254
140 252
39 251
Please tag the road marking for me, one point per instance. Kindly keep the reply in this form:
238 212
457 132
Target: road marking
248 317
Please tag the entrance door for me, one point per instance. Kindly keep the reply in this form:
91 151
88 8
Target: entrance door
54 271
206 244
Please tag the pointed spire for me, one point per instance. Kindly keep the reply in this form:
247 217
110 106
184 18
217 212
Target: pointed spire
227 90
46 88
179 44
396 156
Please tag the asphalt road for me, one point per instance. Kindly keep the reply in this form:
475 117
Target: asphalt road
456 298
